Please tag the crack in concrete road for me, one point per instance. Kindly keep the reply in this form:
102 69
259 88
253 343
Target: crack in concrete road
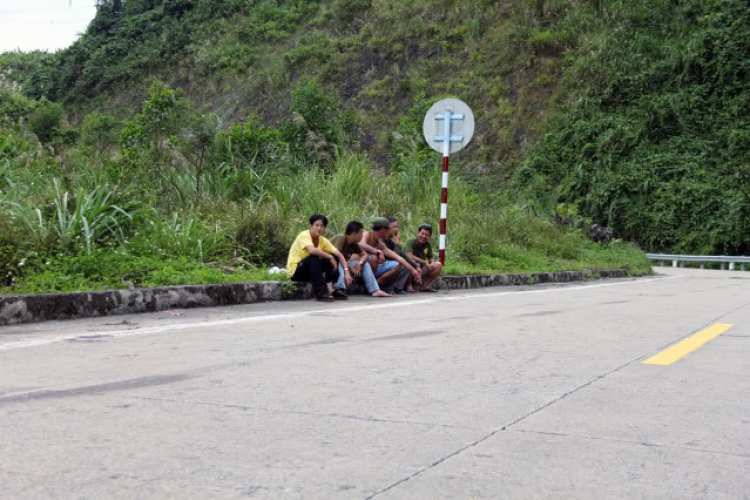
626 441
547 405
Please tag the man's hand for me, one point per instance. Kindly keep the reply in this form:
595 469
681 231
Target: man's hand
333 260
348 279
381 257
416 275
356 269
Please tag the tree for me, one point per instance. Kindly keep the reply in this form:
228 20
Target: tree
45 121
100 131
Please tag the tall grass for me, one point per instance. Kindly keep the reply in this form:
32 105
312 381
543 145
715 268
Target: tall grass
92 218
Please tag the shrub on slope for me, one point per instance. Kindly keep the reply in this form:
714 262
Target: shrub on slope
658 146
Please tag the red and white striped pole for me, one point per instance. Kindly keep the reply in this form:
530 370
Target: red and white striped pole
444 198
444 110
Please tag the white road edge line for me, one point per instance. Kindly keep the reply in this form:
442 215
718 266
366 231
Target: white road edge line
270 317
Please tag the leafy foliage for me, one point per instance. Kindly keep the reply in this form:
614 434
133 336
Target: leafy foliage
100 131
659 146
161 185
93 219
13 107
46 120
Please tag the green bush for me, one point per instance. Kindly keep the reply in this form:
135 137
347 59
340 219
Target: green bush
14 106
252 143
101 131
262 238
13 145
17 256
658 149
318 126
45 121
180 235
546 41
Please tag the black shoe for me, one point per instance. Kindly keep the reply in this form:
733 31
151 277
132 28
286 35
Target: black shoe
339 294
399 292
325 298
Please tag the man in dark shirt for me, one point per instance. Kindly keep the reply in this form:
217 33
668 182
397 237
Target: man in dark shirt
356 257
404 281
420 250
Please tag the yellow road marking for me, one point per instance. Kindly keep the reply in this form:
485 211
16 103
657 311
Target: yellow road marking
690 344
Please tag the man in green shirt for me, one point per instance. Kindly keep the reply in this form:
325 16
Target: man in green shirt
348 245
404 281
420 250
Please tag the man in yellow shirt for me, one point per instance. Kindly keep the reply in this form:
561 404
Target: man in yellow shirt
313 259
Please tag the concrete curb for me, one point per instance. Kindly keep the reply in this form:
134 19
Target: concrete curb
17 309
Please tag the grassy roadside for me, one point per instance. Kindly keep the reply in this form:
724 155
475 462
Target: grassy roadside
171 198
109 270
113 271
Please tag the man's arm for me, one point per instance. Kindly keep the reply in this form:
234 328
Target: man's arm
312 250
416 259
431 255
367 248
360 259
397 248
373 250
394 256
344 266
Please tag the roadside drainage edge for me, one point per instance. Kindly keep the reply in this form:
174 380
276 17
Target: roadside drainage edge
19 309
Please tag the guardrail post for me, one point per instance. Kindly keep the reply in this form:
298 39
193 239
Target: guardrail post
723 266
674 263
731 266
744 267
703 265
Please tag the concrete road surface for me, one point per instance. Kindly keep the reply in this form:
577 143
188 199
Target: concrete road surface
535 392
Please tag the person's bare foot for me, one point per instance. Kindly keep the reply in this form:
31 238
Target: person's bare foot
380 293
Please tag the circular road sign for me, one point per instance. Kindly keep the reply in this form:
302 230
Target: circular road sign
461 125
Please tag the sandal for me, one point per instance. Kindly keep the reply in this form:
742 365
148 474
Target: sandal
339 295
325 298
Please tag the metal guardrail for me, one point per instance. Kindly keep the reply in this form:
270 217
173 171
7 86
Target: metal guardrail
679 260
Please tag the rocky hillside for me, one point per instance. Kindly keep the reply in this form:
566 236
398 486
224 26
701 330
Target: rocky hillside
380 58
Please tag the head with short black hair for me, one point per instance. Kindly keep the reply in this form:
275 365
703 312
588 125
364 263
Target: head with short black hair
315 218
318 224
354 227
392 227
424 233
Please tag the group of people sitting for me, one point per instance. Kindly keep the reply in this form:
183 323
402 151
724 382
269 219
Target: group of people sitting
376 257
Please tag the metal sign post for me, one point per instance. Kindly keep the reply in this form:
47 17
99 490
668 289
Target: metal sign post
456 120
